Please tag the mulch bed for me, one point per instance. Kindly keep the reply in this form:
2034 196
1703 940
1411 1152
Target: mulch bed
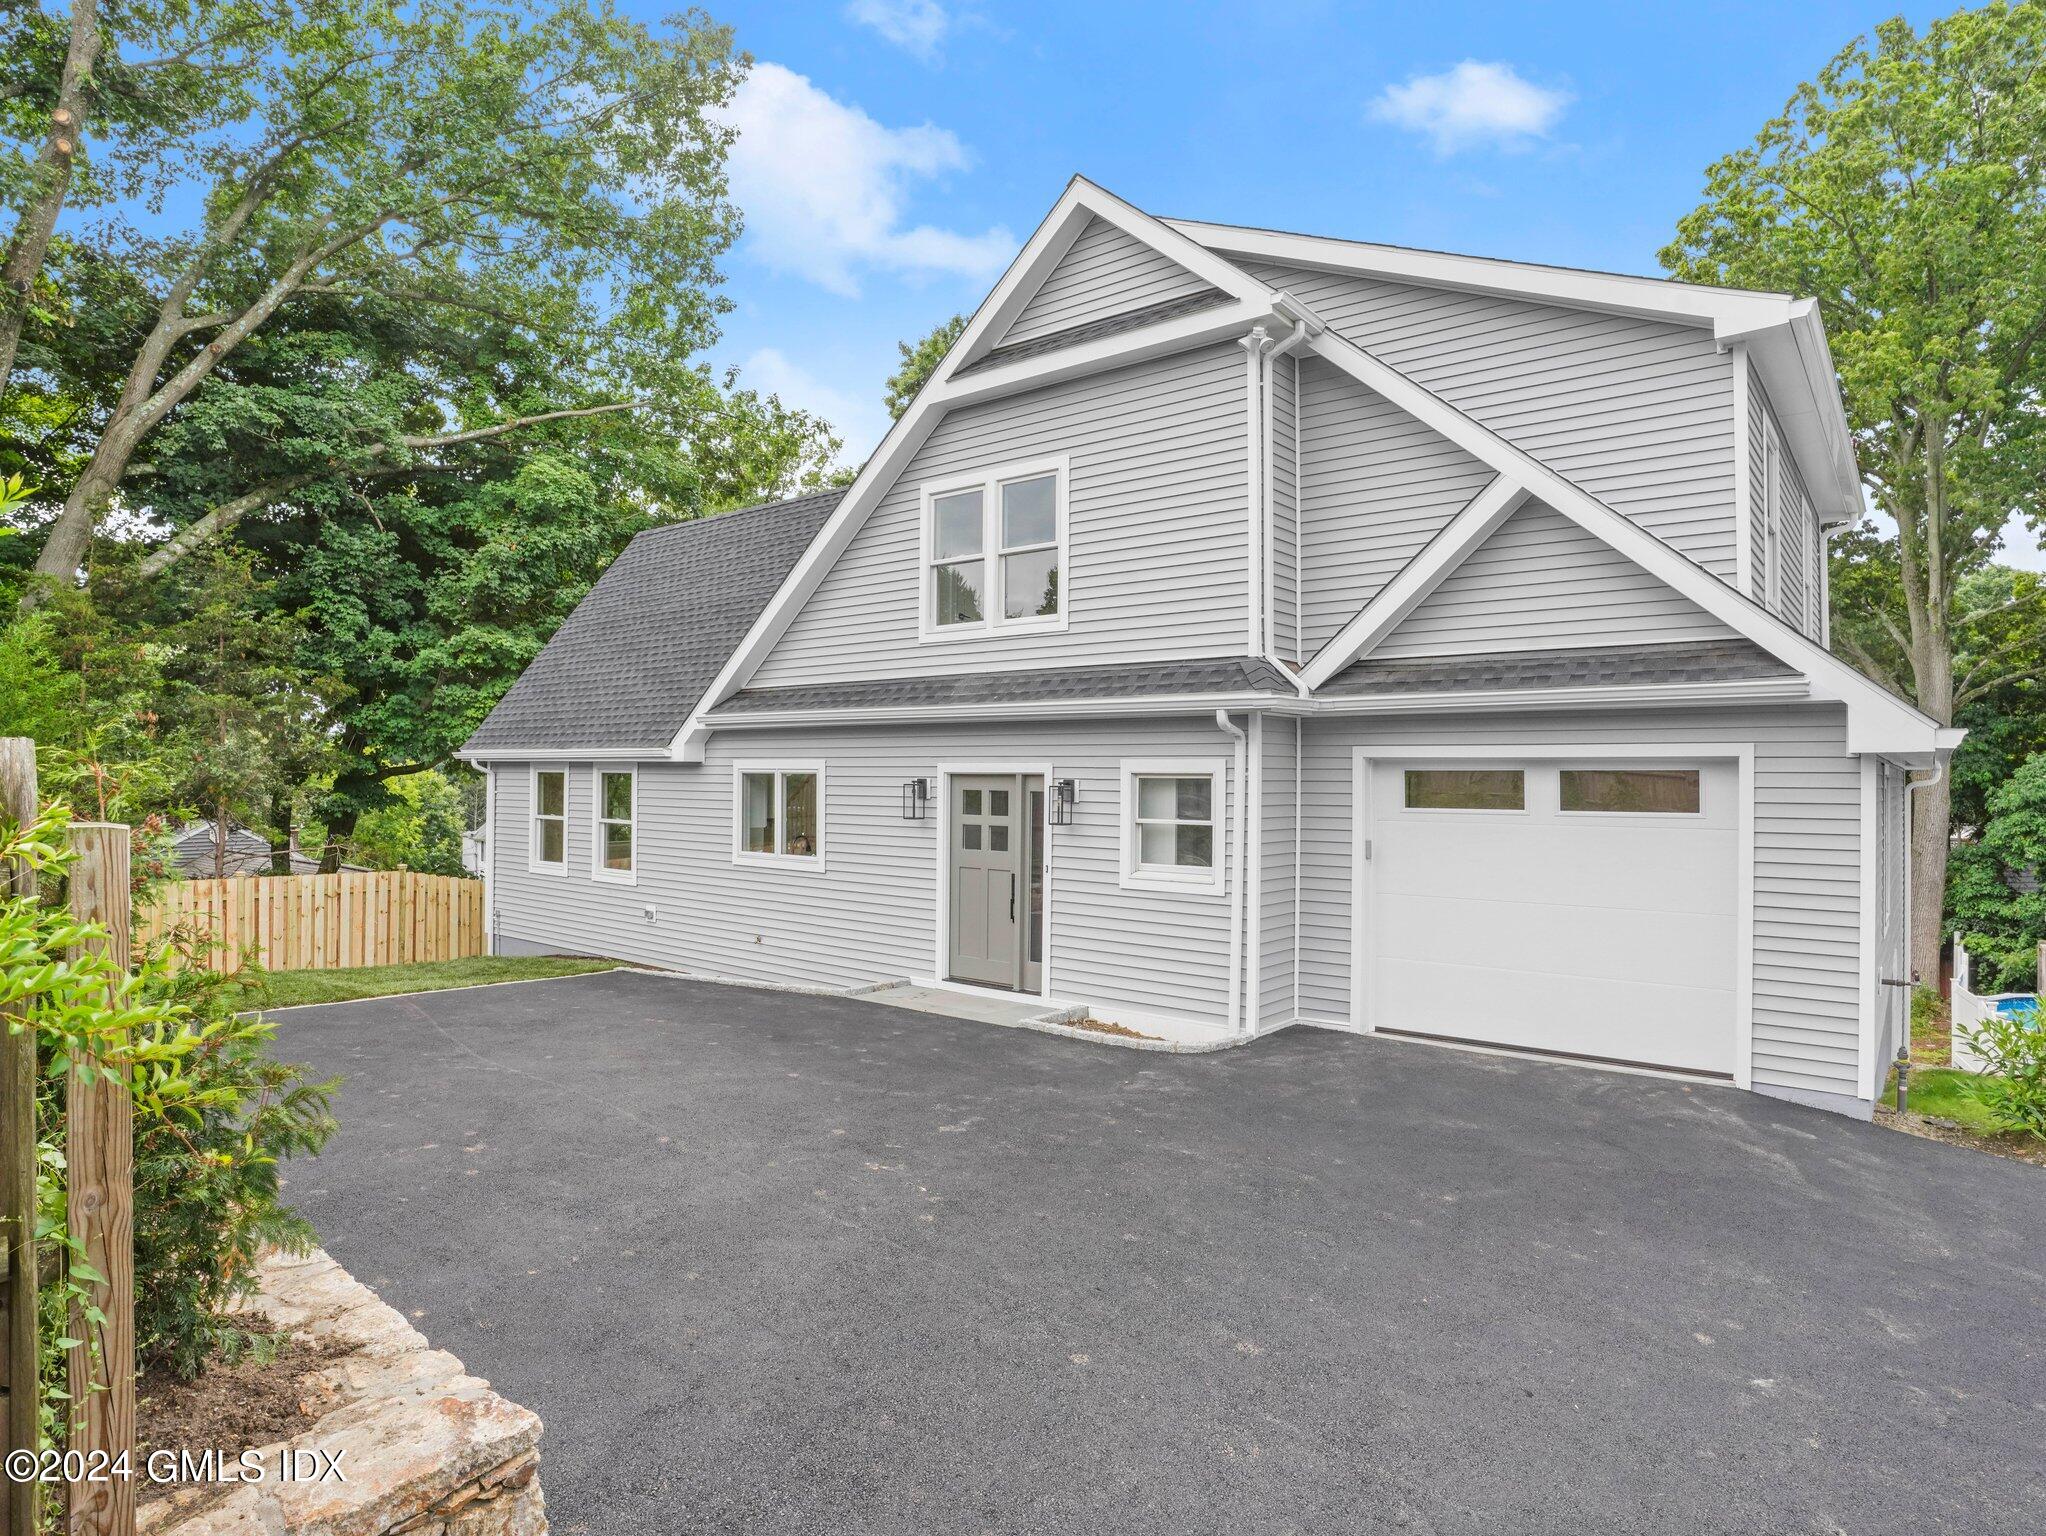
228 1408
1104 1027
2018 1147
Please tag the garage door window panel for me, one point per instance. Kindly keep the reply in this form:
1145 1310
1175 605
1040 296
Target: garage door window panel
1465 789
1631 791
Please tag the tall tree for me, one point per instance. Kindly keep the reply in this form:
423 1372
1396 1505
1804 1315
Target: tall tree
543 164
919 361
1906 188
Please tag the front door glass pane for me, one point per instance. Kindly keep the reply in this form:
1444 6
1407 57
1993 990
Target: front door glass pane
1035 938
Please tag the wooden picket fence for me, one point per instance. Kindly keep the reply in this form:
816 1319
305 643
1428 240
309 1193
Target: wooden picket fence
321 922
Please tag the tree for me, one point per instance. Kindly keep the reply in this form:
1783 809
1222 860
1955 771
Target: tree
1999 907
552 170
1906 188
919 362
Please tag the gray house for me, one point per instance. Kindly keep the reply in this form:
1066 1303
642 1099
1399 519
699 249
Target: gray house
1246 629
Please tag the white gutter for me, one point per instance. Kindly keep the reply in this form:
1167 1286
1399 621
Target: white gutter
1235 1018
1050 709
1911 788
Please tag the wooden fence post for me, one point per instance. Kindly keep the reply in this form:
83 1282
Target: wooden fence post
101 1147
18 1344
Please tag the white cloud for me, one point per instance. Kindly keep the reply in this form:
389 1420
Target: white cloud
917 26
824 188
1472 104
860 422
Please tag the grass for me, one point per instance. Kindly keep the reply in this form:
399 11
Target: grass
1947 1094
291 989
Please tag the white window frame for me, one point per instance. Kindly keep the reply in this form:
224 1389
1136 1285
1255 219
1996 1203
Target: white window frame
534 862
989 483
598 821
1191 882
781 768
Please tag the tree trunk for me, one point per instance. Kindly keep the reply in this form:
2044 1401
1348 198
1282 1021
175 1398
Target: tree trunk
280 824
71 535
1930 810
50 182
340 833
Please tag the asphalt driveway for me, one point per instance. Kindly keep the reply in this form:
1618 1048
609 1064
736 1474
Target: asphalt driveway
765 1262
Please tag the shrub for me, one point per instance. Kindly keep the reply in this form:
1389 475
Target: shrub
1993 894
210 1129
2013 1045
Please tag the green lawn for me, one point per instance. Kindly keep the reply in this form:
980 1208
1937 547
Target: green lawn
290 989
1949 1095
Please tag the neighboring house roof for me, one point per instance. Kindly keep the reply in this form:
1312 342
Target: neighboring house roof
1231 675
1629 666
632 661
192 852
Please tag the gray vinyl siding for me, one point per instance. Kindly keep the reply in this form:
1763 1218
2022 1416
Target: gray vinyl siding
871 912
1541 582
1784 503
1285 573
1156 565
1637 412
1276 875
1106 272
1807 863
1375 486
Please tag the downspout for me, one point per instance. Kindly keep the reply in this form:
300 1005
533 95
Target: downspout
1299 337
1255 343
489 859
1235 1014
1827 533
1254 894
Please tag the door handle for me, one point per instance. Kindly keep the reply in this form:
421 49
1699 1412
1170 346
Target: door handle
1012 898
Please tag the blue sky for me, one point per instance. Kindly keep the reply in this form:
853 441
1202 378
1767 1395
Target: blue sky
895 152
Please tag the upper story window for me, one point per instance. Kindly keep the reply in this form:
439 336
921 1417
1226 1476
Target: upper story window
548 847
994 552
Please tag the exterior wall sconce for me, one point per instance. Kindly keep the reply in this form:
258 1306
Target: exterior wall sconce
1063 793
916 799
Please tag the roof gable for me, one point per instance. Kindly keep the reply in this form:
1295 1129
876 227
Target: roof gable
1106 272
626 668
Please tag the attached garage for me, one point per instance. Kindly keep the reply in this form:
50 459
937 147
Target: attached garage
1580 906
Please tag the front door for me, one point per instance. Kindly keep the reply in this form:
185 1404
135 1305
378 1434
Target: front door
996 922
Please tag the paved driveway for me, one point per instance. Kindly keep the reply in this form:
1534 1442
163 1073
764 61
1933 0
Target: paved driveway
777 1263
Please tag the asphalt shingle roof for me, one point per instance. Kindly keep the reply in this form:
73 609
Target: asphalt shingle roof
1094 330
1623 666
630 663
1130 680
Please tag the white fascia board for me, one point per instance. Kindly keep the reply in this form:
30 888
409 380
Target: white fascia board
1877 720
1047 247
1420 576
1762 690
1796 369
1223 323
1652 298
1041 709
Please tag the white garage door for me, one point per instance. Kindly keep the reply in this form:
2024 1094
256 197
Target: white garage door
1580 908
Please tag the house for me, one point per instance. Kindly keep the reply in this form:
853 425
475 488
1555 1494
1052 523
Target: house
199 852
1246 629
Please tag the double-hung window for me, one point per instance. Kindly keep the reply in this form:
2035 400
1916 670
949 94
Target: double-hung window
1173 832
617 814
778 815
548 846
995 552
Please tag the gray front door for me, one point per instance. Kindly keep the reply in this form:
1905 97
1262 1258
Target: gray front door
989 896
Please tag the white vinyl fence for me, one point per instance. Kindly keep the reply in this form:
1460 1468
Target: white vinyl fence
1971 1008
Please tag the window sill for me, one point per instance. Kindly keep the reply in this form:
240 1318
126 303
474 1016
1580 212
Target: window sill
1179 885
542 867
797 862
939 633
615 876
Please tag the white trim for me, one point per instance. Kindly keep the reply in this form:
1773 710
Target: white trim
561 755
598 821
1868 895
1877 721
1499 499
1740 753
941 964
1051 709
1256 422
995 596
781 768
534 863
1129 875
1755 690
1743 465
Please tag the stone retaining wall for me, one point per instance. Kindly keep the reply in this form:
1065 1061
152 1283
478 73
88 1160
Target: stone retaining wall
425 1448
